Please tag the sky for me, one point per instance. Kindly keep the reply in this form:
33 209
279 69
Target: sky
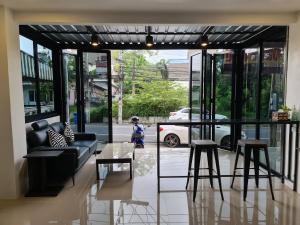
26 45
167 54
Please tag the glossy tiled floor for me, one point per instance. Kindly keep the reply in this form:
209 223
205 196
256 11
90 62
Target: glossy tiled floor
118 200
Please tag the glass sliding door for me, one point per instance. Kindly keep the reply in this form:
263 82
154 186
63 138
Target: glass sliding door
96 91
222 97
207 112
196 93
272 98
71 77
211 94
250 89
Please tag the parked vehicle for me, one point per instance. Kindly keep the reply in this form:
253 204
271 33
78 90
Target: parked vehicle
173 135
183 114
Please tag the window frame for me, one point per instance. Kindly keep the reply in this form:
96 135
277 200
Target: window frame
56 97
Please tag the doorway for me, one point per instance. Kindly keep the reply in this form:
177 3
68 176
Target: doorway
87 77
211 85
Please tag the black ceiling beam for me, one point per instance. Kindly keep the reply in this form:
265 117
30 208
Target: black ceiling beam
142 33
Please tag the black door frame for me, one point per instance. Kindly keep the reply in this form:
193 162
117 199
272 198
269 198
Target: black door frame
80 90
211 99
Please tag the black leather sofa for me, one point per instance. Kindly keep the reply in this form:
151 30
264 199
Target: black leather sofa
73 157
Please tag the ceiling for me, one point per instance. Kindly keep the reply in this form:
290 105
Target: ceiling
133 35
157 5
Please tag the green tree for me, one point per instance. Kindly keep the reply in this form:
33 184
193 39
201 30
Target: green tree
155 98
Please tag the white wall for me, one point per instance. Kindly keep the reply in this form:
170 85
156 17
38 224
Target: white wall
12 135
293 70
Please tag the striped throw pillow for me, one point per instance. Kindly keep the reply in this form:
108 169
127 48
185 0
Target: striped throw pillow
69 134
56 140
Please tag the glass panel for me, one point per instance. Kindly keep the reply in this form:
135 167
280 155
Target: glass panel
196 93
272 97
69 70
196 86
207 86
250 89
45 66
95 81
223 73
28 76
223 84
272 79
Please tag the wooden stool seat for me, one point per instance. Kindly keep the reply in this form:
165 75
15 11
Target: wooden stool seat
211 148
203 143
252 143
252 146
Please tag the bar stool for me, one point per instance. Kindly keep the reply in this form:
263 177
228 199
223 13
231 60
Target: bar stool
256 146
209 147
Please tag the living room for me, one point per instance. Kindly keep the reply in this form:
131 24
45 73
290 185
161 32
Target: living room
29 99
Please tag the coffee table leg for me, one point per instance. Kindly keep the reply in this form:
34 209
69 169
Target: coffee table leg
97 171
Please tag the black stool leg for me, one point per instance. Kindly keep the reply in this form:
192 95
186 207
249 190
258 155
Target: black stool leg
218 171
238 152
210 166
269 171
196 171
190 167
246 170
256 165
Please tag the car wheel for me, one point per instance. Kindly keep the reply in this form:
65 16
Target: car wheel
172 140
226 142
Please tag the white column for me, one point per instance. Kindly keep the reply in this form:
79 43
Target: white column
293 72
12 122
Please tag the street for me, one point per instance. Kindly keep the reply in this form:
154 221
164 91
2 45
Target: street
122 133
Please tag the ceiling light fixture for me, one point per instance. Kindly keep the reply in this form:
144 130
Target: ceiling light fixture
204 41
94 40
149 38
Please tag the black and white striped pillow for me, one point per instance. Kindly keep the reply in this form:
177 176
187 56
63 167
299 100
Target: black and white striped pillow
69 134
56 140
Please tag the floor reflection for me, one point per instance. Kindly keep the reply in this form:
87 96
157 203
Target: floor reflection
119 200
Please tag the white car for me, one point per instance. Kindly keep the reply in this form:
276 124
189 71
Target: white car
183 114
173 135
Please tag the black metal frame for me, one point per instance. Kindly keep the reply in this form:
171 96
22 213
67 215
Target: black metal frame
80 94
239 123
38 39
57 36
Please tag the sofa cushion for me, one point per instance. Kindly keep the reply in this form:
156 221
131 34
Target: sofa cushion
82 150
57 127
92 145
39 125
83 156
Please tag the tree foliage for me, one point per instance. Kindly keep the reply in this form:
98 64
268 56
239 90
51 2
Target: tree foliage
155 98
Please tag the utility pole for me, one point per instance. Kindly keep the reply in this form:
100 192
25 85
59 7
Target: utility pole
121 80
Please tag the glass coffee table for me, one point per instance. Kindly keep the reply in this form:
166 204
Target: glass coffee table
116 153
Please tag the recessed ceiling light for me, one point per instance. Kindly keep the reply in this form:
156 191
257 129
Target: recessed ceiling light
204 41
94 40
